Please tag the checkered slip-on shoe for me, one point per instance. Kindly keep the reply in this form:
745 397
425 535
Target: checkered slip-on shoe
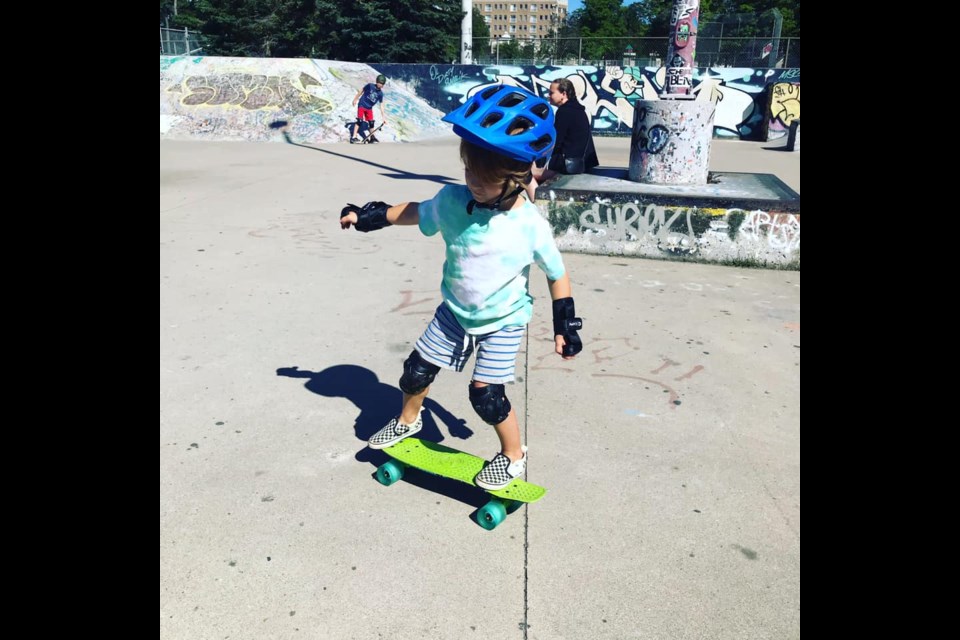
394 432
500 472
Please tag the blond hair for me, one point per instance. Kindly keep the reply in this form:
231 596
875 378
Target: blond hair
493 168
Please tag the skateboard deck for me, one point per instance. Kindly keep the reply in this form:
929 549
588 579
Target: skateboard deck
370 137
450 463
366 140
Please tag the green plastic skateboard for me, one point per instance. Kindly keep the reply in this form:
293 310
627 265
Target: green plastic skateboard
449 463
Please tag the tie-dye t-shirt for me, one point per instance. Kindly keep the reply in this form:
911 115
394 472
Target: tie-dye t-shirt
489 254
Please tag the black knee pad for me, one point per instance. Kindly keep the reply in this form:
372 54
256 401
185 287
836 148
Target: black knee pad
363 126
418 374
490 403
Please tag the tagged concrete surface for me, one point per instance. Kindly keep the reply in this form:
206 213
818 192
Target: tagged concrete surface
223 99
215 98
670 446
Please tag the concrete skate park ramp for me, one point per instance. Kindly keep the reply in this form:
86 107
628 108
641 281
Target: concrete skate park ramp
209 98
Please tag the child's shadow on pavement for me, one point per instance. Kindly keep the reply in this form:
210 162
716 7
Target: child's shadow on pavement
378 403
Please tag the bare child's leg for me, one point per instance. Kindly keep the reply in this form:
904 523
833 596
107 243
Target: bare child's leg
412 405
511 462
418 374
508 431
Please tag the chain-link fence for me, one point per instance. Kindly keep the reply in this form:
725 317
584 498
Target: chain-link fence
755 51
174 42
712 51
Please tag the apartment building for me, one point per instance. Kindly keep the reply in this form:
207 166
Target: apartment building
522 20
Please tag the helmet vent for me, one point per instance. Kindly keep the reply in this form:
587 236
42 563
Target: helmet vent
511 100
473 107
489 91
542 142
491 119
541 110
519 125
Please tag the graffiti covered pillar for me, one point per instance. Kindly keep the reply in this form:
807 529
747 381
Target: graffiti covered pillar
682 48
671 136
671 142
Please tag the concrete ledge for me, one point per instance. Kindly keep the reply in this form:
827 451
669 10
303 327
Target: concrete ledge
737 218
723 190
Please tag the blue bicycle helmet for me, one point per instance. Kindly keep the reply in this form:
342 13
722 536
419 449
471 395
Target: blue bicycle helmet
487 117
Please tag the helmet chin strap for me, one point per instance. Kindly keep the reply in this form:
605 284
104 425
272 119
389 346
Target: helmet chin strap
496 203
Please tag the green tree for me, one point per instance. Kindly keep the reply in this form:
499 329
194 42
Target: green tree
655 14
400 30
761 9
166 12
563 44
360 30
429 30
326 40
481 36
291 29
507 50
528 50
229 27
601 19
634 24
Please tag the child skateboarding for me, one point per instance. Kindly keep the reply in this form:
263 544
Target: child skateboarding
493 234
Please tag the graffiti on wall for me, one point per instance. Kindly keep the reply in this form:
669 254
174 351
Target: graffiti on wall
610 94
784 108
238 97
252 92
651 230
248 98
780 231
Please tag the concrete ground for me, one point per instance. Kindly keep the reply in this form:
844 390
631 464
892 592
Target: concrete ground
670 447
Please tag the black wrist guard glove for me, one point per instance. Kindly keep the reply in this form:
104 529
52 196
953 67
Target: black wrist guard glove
370 217
565 323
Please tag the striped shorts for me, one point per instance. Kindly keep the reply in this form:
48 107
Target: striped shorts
447 345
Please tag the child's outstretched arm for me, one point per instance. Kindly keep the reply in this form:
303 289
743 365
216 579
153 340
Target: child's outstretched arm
565 322
377 215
